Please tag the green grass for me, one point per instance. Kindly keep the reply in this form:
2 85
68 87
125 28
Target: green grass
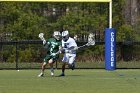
98 64
77 81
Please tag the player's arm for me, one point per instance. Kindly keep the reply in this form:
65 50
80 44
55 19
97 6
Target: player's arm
73 48
74 45
58 52
41 36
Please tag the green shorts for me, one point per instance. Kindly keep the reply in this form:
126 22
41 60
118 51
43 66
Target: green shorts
48 57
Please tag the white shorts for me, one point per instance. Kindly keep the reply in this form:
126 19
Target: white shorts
69 58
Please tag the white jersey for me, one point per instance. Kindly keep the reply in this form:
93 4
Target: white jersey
69 57
69 43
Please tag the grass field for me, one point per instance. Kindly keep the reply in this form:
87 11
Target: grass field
77 81
96 64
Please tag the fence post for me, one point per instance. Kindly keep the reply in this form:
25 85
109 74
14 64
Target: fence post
17 55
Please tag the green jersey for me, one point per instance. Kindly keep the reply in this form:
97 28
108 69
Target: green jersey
52 46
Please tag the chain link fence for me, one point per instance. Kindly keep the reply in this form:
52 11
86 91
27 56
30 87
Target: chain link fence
29 55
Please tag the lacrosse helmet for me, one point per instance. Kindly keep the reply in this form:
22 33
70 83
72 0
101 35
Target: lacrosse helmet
57 35
65 35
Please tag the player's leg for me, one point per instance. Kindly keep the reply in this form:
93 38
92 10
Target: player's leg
63 69
72 66
51 61
45 61
42 69
71 62
64 61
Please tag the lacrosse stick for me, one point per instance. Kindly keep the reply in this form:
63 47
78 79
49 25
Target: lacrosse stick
41 36
91 41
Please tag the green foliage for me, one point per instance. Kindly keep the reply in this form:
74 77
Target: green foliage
83 18
21 21
25 20
25 55
95 53
125 33
11 57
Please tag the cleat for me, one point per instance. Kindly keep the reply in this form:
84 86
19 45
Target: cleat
41 75
73 66
52 74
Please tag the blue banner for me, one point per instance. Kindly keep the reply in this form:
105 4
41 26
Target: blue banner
110 49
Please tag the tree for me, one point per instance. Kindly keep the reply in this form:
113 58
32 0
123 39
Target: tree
20 20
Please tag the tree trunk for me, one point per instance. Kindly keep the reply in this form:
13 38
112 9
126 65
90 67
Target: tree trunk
131 11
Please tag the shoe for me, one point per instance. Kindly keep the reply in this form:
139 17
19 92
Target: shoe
61 75
72 66
52 74
41 75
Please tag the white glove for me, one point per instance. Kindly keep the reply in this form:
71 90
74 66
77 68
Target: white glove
44 42
67 51
76 48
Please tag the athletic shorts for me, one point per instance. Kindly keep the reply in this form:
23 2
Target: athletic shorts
48 57
69 58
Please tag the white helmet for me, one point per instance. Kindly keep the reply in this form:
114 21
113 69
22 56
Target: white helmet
57 35
65 35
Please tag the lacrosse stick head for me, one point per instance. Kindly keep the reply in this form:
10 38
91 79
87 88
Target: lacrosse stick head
41 35
91 39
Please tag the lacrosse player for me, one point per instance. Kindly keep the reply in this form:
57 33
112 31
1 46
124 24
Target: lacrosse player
53 45
69 48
